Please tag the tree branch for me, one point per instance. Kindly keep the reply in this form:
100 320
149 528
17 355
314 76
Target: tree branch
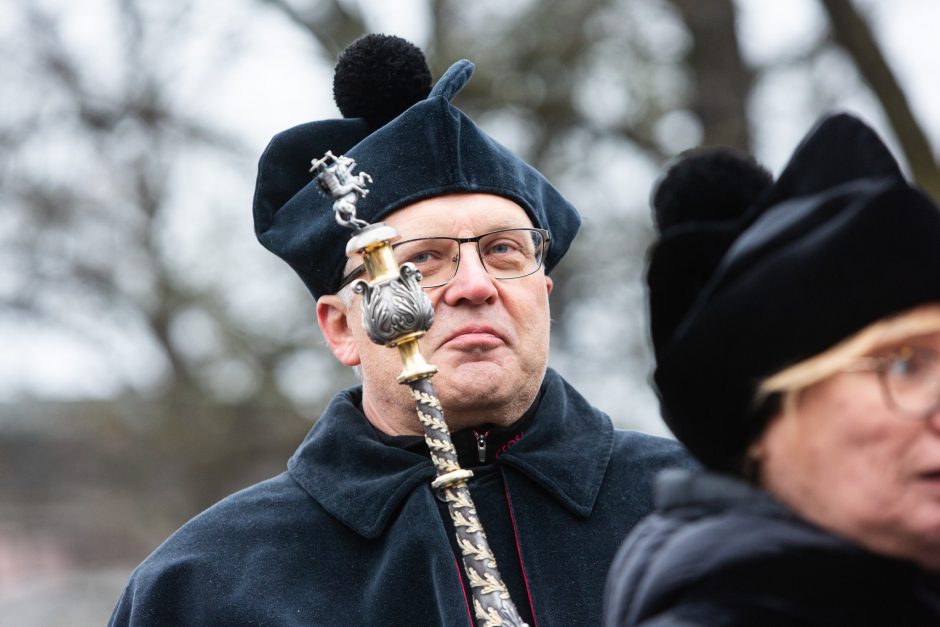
853 33
333 28
722 81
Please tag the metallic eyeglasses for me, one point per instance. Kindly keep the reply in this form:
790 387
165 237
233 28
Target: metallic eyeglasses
505 254
910 378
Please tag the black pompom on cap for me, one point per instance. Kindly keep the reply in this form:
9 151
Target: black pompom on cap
708 185
378 77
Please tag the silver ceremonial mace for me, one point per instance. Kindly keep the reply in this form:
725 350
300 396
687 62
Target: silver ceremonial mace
395 313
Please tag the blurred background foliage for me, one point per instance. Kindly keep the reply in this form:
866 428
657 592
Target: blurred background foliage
156 358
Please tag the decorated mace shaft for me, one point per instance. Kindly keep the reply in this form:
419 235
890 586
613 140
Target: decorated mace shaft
396 313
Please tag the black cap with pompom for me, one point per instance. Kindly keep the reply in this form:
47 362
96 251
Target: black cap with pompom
746 279
378 77
413 142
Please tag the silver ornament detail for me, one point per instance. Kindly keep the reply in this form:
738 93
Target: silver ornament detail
395 309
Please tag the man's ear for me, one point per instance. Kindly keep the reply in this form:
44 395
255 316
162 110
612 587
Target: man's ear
334 324
549 283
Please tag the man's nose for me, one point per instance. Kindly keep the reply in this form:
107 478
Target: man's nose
472 283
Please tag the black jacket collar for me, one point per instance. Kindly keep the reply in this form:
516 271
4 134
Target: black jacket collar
361 480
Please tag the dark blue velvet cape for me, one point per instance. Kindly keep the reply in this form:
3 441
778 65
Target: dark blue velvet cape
351 533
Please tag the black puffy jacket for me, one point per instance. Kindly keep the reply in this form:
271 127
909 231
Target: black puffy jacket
718 552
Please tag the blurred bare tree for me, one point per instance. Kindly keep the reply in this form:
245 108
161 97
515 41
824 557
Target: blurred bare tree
93 164
853 33
99 156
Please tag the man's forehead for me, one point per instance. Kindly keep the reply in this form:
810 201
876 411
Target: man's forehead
458 215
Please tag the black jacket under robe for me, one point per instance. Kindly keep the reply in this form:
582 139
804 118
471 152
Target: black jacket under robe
352 534
720 553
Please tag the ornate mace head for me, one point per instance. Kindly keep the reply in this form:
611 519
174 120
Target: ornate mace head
395 309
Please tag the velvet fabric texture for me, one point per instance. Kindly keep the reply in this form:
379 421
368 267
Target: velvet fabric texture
840 241
351 534
720 553
431 149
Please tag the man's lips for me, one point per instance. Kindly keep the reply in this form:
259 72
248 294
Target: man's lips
474 336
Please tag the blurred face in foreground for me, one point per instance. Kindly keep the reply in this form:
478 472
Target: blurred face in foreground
858 452
490 336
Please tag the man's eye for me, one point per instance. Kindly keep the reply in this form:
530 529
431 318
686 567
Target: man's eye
502 247
424 256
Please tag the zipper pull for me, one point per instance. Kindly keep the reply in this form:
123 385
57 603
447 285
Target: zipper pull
481 445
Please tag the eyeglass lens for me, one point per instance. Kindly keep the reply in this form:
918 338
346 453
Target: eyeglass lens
505 254
912 379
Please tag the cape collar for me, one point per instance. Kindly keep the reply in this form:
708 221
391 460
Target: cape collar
361 481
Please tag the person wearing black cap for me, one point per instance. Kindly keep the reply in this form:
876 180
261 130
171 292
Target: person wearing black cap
352 533
796 327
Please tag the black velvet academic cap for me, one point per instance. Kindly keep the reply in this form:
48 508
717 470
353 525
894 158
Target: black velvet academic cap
840 241
430 149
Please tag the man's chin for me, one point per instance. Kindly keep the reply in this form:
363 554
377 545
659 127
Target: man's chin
486 392
472 382
473 372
